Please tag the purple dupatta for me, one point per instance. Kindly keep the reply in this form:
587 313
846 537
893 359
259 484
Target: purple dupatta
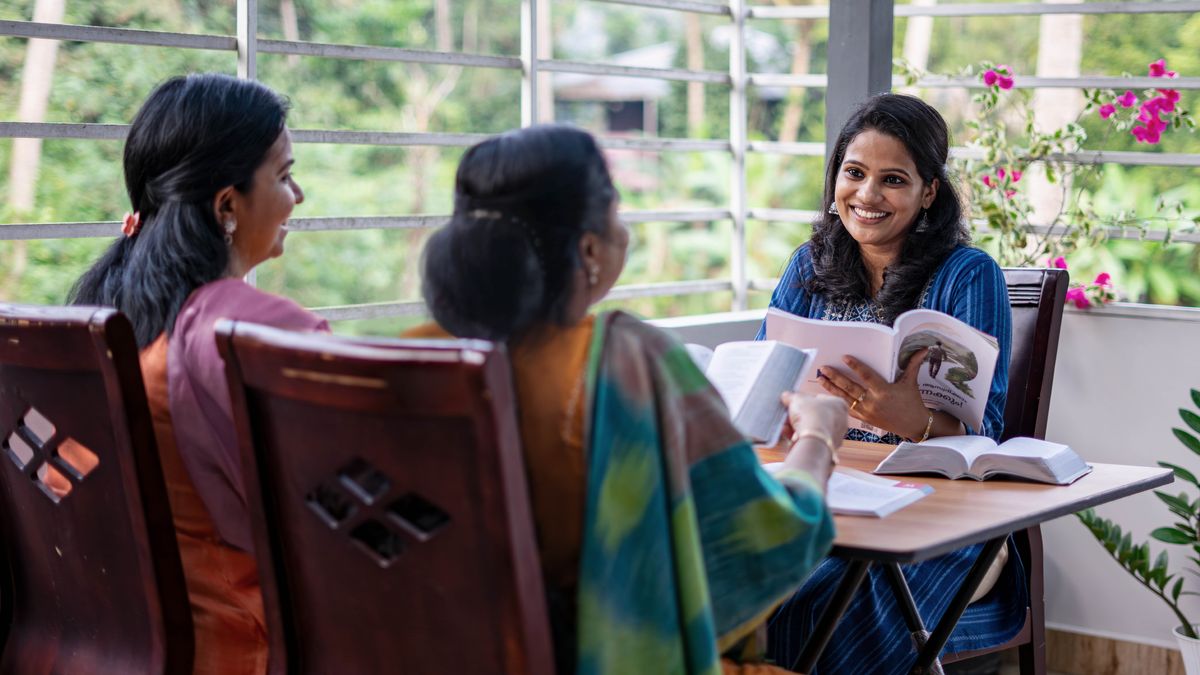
200 409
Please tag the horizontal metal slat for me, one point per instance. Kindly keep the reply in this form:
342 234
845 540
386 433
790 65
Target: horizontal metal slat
676 5
127 36
611 70
369 53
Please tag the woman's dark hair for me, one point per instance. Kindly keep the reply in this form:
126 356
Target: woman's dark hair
192 137
839 272
506 259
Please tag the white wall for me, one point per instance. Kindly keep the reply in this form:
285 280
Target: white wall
1121 375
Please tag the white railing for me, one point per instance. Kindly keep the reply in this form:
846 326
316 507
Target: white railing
248 46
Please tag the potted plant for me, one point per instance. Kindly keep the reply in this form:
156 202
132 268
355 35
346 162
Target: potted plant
1155 574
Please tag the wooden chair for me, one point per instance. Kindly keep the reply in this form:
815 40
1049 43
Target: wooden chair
389 504
1037 297
92 581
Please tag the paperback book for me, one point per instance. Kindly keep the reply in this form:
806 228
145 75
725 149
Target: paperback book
955 376
750 376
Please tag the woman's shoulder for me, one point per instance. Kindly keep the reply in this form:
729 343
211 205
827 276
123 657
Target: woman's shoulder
966 262
235 299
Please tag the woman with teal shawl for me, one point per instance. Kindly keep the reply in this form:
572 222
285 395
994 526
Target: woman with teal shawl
663 543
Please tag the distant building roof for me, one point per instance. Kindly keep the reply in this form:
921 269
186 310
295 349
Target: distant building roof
576 87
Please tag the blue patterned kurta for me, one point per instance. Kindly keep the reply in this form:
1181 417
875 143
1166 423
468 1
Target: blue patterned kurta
872 636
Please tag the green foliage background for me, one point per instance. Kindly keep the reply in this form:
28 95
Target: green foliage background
81 180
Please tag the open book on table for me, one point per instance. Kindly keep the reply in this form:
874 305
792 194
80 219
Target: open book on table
980 458
750 376
850 492
955 377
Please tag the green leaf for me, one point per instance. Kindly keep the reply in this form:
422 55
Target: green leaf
1181 473
1190 441
1177 589
1181 502
1171 535
1192 419
1196 392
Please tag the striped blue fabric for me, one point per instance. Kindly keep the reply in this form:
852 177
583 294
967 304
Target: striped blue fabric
872 636
969 286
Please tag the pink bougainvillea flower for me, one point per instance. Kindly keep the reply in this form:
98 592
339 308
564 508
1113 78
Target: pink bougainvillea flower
1058 263
1001 173
1103 279
1006 82
1009 193
1159 69
987 180
1146 134
1127 100
1170 95
990 77
1107 110
1016 175
1078 297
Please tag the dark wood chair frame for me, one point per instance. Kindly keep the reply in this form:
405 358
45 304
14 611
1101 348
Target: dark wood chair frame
386 385
1037 297
91 581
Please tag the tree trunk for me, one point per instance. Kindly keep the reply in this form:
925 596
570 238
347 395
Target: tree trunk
36 77
793 113
291 26
1060 50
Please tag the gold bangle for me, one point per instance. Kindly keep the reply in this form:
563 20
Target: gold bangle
928 427
822 436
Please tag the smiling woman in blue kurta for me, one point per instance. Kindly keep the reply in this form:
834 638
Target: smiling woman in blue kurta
892 239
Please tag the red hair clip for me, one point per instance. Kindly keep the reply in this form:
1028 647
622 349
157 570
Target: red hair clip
133 223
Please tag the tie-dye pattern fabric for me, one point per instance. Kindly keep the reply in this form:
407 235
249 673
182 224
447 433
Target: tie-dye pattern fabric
687 543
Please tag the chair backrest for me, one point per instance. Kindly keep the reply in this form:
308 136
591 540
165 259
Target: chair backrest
93 580
389 504
1036 297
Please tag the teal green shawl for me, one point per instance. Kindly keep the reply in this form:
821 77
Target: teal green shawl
687 543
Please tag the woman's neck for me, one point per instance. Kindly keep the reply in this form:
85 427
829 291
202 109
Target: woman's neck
876 260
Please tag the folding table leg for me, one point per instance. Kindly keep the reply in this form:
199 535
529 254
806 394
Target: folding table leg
856 571
928 654
908 608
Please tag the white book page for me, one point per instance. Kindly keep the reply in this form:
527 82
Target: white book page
970 447
956 375
733 370
856 493
700 354
868 342
1022 446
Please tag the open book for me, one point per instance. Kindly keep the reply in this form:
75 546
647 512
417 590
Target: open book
850 492
980 458
750 376
955 377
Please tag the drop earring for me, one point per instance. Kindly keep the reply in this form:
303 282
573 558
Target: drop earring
923 221
230 227
593 275
832 210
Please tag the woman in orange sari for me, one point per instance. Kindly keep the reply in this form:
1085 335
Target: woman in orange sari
663 543
208 171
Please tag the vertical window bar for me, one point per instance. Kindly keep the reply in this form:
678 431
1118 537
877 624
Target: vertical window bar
738 144
247 55
529 62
